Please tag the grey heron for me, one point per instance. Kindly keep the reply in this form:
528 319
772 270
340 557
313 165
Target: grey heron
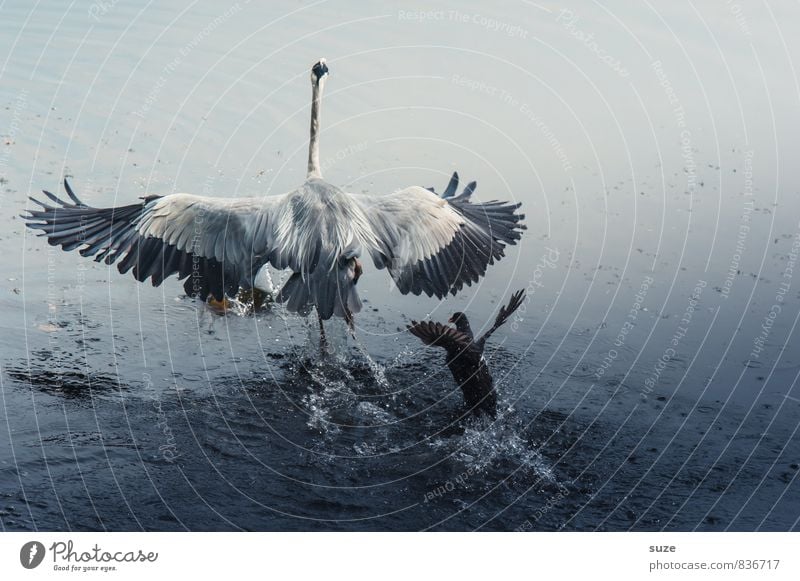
428 242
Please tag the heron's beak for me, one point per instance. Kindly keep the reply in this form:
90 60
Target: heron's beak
450 320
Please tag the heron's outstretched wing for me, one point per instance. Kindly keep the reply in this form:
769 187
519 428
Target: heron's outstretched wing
505 312
437 244
218 244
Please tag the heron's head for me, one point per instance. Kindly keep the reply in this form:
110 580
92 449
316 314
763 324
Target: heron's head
461 322
319 72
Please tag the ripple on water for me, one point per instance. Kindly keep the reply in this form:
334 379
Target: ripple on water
580 370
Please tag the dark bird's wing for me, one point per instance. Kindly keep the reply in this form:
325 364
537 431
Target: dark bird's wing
437 244
438 335
505 312
219 244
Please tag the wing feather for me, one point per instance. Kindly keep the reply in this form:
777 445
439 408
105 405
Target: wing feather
437 244
217 245
438 335
502 316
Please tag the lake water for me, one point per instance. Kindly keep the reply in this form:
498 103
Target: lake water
650 384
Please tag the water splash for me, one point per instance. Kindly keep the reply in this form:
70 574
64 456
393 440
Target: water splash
372 414
405 356
325 395
377 370
319 417
486 445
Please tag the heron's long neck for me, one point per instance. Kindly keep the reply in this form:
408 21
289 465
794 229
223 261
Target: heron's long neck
314 170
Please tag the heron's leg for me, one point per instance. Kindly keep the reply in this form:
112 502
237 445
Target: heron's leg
351 321
323 340
348 314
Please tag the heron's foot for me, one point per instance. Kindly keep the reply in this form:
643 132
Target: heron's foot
247 302
220 307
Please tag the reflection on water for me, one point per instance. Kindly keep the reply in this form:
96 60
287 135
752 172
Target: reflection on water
649 384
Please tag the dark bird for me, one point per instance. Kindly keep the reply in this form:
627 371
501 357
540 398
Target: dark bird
465 355
427 242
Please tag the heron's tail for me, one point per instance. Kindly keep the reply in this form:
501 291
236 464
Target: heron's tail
295 295
332 292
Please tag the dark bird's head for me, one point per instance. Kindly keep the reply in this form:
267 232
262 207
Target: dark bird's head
461 322
319 72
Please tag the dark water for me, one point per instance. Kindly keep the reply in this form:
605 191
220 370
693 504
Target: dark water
650 383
